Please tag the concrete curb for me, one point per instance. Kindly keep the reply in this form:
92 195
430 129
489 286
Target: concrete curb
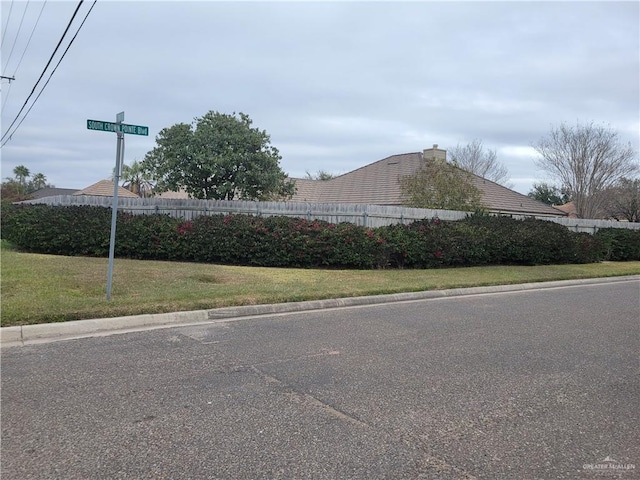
22 335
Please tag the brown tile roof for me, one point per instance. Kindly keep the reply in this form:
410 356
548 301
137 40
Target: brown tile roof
568 208
378 184
104 188
180 195
51 192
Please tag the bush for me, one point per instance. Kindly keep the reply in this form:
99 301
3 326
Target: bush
534 242
58 230
281 242
294 242
619 244
151 237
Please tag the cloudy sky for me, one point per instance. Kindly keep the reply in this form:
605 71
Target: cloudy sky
337 85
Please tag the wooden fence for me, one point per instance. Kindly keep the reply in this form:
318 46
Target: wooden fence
359 214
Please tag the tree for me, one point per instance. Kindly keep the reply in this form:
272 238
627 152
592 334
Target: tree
438 184
586 160
549 194
21 173
38 181
10 191
218 156
19 187
136 179
474 159
320 175
624 200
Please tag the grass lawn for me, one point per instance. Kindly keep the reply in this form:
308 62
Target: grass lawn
48 288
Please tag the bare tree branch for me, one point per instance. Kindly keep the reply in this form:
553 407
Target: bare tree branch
586 160
474 159
623 200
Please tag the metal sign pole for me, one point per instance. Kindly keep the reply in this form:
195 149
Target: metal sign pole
114 206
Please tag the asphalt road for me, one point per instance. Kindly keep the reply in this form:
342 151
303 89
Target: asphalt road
540 384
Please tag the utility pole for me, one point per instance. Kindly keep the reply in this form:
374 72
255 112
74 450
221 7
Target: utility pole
7 78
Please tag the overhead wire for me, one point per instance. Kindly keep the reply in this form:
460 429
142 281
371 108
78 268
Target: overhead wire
6 97
44 70
51 75
17 35
6 25
29 41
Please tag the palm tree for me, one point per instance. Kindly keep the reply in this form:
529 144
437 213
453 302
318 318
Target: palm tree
22 173
136 179
38 181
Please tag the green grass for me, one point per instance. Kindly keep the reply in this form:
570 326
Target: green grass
48 288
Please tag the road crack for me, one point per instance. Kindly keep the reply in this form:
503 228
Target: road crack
308 399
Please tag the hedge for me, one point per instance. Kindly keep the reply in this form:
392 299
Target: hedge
620 244
294 242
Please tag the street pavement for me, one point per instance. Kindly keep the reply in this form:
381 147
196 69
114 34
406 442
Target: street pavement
535 384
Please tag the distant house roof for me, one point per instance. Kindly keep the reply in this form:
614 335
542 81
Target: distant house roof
379 184
568 208
180 194
104 188
51 192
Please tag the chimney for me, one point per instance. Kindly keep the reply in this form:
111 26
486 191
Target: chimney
434 153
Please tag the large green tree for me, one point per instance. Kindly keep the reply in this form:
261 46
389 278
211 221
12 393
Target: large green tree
218 156
440 185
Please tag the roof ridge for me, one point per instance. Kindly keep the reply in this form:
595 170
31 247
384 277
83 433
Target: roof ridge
374 163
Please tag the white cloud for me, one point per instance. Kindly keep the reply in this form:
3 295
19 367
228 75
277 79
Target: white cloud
337 85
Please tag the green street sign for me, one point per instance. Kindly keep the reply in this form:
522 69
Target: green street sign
114 127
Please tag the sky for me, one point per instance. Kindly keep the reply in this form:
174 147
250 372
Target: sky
336 84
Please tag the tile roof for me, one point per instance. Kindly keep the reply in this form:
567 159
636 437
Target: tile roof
569 208
379 184
51 192
104 188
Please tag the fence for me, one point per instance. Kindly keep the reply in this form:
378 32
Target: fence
359 214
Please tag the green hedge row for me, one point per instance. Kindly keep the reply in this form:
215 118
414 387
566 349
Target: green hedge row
294 242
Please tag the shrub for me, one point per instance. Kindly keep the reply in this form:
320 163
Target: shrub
152 237
534 242
295 242
281 242
619 244
58 230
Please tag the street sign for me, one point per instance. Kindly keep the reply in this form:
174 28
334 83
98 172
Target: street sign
114 127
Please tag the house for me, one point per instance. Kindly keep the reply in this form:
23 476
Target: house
568 208
379 184
51 192
104 188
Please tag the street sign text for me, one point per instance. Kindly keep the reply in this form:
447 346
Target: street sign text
114 127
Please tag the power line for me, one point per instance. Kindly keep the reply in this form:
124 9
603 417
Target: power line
44 70
51 75
4 102
17 34
6 25
6 97
30 37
